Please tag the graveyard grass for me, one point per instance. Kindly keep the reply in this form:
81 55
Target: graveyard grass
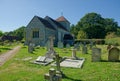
6 47
16 69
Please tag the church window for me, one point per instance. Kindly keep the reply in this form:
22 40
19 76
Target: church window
35 34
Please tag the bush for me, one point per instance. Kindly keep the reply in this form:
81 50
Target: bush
113 41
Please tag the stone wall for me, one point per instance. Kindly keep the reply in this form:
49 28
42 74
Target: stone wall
35 25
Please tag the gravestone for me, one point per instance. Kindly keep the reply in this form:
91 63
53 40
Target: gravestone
31 48
77 46
96 54
60 44
84 49
67 45
45 60
113 54
91 45
52 76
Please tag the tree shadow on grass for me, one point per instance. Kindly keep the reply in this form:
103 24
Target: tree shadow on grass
5 48
64 76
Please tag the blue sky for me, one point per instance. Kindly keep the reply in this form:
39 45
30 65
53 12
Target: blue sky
17 13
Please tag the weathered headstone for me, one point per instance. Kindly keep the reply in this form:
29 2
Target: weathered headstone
96 54
77 46
84 49
52 76
31 48
91 45
113 54
60 44
67 45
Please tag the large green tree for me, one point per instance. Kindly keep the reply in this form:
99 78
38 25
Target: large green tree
95 26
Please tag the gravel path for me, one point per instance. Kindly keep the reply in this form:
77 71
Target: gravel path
6 56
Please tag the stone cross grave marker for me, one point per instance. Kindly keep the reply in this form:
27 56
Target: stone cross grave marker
51 38
96 54
113 54
57 59
48 45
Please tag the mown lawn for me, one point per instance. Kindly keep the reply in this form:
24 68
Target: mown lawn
17 69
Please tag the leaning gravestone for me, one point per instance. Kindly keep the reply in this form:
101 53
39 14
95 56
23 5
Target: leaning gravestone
96 54
45 60
113 54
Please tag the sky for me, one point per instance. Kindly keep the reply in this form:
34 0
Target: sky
17 13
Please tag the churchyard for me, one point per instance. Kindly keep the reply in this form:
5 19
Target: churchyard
22 68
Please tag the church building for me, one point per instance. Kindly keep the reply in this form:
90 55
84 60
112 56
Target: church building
40 29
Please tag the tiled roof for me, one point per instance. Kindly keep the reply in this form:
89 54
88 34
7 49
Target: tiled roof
62 18
58 24
46 23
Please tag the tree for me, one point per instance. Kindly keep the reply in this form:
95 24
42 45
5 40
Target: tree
1 33
19 33
92 24
110 25
81 35
95 26
73 30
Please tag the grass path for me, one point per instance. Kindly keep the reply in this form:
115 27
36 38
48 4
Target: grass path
6 56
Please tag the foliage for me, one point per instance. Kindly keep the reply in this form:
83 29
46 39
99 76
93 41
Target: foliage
1 33
18 33
110 35
113 41
95 26
81 35
95 41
